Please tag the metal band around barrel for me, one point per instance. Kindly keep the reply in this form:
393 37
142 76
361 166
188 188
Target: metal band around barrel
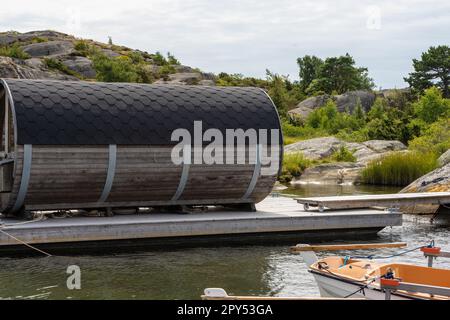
256 173
184 172
26 170
110 174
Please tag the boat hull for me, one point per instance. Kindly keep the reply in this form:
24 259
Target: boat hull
337 288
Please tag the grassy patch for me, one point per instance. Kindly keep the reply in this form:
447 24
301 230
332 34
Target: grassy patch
13 51
292 133
55 64
399 169
83 48
293 166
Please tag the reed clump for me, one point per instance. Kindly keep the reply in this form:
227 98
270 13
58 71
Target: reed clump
399 169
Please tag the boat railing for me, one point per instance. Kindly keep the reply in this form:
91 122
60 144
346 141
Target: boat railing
434 252
391 285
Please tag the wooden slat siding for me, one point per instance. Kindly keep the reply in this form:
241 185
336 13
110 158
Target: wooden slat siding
67 174
223 185
144 173
9 202
219 181
263 188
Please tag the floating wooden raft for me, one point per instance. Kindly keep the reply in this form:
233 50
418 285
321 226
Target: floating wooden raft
73 145
375 200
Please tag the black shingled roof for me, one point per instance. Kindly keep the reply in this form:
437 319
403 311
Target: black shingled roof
70 113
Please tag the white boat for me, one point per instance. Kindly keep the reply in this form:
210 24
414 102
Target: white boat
343 277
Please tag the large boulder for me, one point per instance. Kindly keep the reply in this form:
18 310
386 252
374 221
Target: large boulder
81 65
332 173
435 181
381 146
444 158
183 69
109 53
344 102
305 107
319 148
184 78
349 100
49 48
16 68
9 37
315 149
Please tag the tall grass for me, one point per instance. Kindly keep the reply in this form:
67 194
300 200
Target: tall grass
399 169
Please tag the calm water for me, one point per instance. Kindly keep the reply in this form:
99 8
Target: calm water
184 273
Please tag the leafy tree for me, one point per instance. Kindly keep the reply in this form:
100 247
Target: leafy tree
339 75
309 70
279 93
431 105
432 69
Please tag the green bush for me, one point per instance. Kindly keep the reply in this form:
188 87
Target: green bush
293 166
165 70
114 69
159 59
399 169
172 60
343 155
13 51
136 57
435 138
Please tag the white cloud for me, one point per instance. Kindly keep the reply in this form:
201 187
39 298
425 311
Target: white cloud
250 36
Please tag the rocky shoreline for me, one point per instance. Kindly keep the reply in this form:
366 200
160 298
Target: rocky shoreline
344 173
340 172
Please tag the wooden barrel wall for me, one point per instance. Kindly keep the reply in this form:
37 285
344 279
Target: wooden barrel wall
75 145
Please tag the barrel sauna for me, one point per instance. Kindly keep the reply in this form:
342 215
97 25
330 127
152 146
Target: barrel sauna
83 145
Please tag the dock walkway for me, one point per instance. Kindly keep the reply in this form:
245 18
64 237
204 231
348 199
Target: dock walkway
372 200
273 215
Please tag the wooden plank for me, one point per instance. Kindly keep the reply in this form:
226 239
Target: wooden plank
334 247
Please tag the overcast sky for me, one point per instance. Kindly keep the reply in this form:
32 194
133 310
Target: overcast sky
239 36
